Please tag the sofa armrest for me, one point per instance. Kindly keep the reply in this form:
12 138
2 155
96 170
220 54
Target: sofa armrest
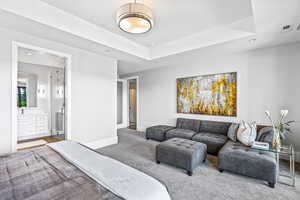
265 135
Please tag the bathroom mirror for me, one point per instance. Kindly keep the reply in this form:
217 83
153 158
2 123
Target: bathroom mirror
27 89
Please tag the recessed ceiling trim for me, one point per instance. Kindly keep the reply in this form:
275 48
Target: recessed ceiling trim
207 38
46 14
53 17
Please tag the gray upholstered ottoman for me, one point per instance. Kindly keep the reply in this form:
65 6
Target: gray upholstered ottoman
182 153
158 133
237 158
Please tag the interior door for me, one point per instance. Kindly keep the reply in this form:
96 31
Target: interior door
58 102
119 102
132 105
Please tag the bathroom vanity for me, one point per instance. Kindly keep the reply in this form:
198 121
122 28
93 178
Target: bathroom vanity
32 123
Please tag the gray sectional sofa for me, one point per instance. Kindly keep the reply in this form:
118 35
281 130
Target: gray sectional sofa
213 134
220 139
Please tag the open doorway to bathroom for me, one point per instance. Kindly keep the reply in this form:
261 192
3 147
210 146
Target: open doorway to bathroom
40 97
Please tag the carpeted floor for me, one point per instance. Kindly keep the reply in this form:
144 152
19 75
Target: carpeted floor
207 183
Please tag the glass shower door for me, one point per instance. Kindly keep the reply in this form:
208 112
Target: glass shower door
58 103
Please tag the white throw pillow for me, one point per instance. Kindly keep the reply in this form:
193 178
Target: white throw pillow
246 133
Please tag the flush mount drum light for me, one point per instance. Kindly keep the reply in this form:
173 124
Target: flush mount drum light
135 18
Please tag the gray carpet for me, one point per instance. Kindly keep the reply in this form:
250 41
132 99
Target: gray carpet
207 183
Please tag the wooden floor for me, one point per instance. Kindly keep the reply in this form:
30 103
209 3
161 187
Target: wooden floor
51 139
48 139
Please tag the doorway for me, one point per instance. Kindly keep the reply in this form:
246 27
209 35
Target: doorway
132 103
41 103
128 103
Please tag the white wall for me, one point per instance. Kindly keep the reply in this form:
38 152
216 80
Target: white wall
93 91
44 59
157 89
5 91
274 85
267 79
94 86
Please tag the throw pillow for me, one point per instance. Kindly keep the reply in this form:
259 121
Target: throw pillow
232 131
247 133
265 135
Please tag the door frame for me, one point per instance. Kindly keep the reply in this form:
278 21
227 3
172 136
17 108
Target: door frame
125 123
14 109
137 100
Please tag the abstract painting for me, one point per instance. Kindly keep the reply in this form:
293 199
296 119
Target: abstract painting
209 94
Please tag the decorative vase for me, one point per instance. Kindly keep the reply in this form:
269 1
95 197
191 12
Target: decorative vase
276 143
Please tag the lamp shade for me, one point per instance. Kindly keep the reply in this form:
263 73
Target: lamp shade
135 18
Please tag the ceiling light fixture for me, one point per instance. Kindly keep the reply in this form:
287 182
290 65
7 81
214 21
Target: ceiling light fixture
135 18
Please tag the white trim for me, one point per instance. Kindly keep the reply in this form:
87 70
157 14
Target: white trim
137 100
123 125
56 18
142 129
34 136
68 98
102 143
14 109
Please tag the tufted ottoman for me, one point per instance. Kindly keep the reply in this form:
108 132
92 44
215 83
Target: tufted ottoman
237 158
158 133
182 153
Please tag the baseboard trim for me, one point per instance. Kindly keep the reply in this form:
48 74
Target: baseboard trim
29 137
121 126
102 143
142 129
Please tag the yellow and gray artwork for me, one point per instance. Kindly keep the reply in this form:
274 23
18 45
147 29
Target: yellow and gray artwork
209 94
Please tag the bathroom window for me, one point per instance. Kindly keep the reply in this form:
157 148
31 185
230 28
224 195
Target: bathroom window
22 97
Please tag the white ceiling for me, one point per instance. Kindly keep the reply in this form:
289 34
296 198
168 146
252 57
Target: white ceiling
236 46
181 27
174 19
40 58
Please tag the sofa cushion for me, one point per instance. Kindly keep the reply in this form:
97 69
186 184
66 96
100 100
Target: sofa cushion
180 133
214 127
232 131
265 135
238 158
157 133
214 142
191 124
